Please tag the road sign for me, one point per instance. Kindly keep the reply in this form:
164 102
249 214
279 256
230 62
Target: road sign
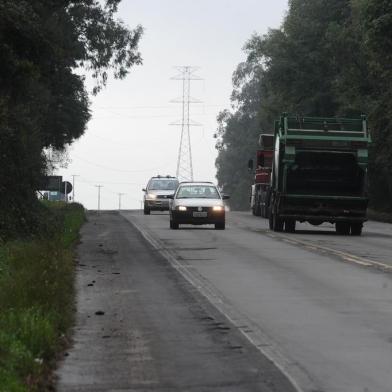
66 186
51 183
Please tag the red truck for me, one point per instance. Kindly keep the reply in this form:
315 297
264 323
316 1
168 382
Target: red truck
262 179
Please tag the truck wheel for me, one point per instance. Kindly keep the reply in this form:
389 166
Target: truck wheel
356 228
278 223
266 211
343 228
289 226
146 210
270 221
257 206
173 225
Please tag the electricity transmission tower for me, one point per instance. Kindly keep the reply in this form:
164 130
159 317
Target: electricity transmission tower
184 162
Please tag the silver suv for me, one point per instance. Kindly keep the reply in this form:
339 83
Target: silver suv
157 193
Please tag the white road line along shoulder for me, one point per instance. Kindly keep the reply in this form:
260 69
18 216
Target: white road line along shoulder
343 255
298 377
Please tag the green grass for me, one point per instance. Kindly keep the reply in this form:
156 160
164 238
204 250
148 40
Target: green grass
37 300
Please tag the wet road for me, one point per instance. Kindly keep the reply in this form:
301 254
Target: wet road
318 304
141 327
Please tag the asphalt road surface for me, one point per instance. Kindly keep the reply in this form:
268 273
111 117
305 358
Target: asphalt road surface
317 304
142 326
244 309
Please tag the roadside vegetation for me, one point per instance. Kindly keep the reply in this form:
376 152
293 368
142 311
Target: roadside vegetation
48 48
328 58
37 299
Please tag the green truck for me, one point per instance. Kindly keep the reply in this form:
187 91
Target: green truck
319 173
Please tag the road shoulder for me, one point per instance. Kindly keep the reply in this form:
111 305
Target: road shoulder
141 326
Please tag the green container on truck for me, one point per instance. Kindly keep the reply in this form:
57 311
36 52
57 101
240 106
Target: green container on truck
319 173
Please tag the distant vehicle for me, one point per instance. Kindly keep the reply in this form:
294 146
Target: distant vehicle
197 203
157 192
319 173
262 178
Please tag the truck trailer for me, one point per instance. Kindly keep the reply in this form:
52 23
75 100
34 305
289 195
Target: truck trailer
319 173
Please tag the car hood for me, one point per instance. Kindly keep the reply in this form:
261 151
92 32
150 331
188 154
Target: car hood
198 202
161 192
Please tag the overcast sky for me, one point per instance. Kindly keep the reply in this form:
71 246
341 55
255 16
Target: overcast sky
129 138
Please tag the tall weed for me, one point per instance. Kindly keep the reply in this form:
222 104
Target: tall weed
37 299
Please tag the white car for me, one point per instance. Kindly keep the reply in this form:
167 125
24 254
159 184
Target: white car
197 203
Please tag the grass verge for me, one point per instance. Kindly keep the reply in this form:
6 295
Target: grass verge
37 300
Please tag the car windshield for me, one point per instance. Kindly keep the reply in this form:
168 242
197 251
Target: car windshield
197 192
163 184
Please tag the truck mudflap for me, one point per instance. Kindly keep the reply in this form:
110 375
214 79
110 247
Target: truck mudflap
317 209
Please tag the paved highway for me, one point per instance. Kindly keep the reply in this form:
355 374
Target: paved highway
317 304
140 326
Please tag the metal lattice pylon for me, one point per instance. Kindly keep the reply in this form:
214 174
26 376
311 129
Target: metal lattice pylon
184 170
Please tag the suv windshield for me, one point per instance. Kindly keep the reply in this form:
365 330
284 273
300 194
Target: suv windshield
163 184
197 192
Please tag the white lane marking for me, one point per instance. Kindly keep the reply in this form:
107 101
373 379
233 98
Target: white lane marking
350 259
297 376
344 255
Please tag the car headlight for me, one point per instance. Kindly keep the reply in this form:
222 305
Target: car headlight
181 208
151 196
218 208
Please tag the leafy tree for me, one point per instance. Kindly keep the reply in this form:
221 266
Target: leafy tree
330 57
43 100
377 17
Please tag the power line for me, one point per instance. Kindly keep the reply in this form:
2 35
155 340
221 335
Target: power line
124 143
118 170
152 107
109 182
105 189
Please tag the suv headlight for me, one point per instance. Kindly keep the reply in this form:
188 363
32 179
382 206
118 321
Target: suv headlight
151 196
181 208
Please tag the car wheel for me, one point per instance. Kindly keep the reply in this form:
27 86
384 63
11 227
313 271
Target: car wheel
146 210
173 225
220 226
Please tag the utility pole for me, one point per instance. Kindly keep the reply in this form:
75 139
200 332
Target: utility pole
65 191
119 199
73 186
99 197
184 161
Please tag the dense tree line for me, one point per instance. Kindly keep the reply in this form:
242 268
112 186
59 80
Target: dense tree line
44 45
329 58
